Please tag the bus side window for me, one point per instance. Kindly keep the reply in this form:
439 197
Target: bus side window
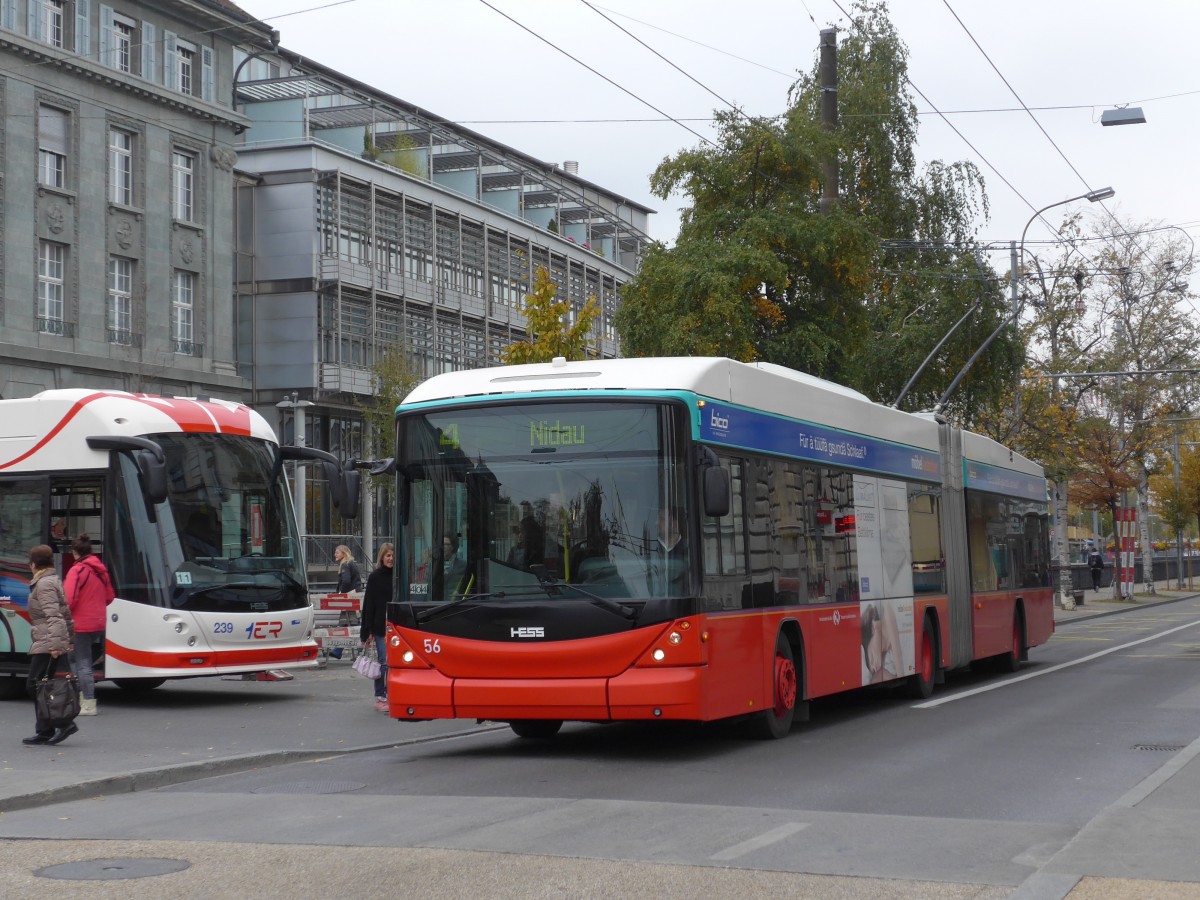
21 522
759 590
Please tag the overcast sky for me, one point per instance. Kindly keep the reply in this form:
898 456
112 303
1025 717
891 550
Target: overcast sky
1066 60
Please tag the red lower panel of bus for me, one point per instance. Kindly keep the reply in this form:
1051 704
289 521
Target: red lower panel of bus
704 668
211 659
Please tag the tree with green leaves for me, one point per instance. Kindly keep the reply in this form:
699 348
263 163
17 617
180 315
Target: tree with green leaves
859 295
550 332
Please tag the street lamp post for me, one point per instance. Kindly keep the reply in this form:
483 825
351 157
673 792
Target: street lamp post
1017 260
299 435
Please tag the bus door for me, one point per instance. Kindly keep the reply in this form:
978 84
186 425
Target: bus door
75 508
23 504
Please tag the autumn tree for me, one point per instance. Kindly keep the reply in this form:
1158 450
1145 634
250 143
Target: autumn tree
859 295
1151 338
550 332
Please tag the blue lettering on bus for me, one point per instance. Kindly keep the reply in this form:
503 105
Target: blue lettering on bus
985 477
817 443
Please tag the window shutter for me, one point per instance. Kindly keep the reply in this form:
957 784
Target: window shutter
52 129
83 28
206 73
36 21
149 56
8 14
170 63
106 37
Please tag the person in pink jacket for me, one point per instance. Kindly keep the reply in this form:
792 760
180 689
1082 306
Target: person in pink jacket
89 590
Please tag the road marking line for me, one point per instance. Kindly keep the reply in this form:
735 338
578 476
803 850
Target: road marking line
766 839
930 704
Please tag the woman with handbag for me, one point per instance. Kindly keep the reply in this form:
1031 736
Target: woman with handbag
53 636
374 618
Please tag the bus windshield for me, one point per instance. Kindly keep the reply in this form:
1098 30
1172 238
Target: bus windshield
547 500
223 540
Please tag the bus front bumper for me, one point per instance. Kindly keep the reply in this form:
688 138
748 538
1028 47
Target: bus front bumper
636 694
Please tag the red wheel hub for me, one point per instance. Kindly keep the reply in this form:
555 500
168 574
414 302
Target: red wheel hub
785 685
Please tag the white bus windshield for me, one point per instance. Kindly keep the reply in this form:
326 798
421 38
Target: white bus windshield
223 540
520 500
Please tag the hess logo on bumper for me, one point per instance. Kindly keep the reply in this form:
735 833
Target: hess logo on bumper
528 631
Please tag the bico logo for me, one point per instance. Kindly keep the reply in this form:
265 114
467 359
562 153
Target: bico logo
716 421
529 631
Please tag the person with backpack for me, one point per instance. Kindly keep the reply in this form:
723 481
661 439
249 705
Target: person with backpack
89 590
1096 564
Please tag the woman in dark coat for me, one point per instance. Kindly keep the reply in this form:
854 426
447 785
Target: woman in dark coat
374 617
53 632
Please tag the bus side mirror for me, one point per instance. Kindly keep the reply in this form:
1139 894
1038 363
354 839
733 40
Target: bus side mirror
351 494
153 473
716 492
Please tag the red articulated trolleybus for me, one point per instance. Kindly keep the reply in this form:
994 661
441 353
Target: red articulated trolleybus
187 505
696 539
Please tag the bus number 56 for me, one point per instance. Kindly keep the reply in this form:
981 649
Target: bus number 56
433 645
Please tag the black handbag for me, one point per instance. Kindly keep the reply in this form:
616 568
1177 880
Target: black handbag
57 698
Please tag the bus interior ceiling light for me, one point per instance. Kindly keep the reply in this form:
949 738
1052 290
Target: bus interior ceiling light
1129 115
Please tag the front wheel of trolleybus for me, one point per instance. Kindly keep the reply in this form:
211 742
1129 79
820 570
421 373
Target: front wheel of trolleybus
776 722
921 683
540 729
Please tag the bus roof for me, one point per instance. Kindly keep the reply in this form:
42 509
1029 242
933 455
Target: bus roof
764 386
48 431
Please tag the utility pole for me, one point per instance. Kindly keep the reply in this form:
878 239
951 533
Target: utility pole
829 117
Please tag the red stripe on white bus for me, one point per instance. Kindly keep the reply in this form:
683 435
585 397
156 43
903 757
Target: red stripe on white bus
208 659
62 423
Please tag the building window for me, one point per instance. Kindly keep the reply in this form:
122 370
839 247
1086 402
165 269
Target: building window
51 288
121 48
52 146
51 24
120 300
183 175
185 64
183 313
120 167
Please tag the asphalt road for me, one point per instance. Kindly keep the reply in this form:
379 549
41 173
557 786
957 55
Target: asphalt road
1074 778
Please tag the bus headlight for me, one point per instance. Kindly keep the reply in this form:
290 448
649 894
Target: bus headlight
674 637
660 654
178 627
407 656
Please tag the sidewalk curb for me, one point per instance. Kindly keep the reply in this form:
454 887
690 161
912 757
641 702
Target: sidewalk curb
166 776
1124 607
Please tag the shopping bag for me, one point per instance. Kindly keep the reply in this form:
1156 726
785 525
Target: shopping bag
367 665
57 697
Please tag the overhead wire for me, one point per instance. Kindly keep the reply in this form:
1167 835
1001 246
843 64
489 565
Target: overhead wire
595 72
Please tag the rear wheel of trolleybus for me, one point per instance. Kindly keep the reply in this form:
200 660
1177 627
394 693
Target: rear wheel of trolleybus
776 722
921 684
536 728
1011 660
138 685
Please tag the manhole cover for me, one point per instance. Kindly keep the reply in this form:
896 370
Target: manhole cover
113 869
1170 748
311 787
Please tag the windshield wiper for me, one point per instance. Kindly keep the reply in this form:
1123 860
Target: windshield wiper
232 585
437 611
554 587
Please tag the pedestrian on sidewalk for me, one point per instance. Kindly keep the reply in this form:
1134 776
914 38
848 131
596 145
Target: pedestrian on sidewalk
89 590
1096 564
374 617
53 634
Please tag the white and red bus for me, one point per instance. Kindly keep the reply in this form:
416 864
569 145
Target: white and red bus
187 504
696 539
